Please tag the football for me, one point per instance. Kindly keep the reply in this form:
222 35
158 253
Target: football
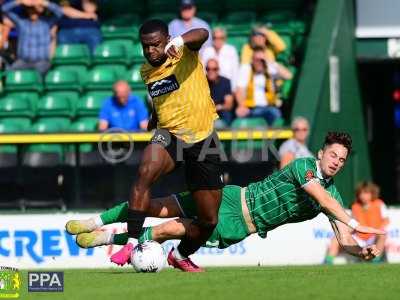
148 257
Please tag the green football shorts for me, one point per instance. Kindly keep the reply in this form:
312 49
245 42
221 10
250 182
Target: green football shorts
231 227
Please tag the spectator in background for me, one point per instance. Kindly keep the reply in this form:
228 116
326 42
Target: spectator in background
188 21
221 92
226 55
296 147
34 32
368 210
80 31
266 39
256 92
123 110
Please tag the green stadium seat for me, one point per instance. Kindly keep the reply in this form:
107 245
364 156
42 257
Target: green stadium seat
110 53
72 54
101 79
80 70
209 6
44 155
110 32
249 123
57 80
85 125
14 107
7 129
124 20
240 17
32 97
247 150
163 16
54 106
170 6
134 78
23 80
237 41
72 97
118 70
239 5
130 47
90 104
137 53
277 16
63 123
8 153
24 124
210 17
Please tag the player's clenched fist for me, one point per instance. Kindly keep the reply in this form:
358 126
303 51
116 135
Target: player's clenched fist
172 48
369 252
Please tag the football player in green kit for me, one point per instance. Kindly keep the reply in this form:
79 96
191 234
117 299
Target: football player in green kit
297 193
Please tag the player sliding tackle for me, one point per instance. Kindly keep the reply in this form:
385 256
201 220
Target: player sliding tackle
296 193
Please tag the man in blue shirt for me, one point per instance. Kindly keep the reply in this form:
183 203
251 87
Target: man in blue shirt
34 32
188 21
123 110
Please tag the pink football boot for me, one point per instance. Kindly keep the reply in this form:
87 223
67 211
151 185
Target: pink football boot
186 265
122 256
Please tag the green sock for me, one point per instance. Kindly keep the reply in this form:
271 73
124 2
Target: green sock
329 259
146 234
120 238
118 213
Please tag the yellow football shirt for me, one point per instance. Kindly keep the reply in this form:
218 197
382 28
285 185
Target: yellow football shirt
181 96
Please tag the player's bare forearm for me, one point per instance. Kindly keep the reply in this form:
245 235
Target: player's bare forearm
195 38
327 203
346 241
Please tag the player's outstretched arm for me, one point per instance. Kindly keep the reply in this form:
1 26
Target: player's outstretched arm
333 208
193 39
349 244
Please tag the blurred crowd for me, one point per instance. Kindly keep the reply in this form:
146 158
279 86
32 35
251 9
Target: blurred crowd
245 86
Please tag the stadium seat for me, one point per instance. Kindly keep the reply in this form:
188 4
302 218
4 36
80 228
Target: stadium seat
8 153
118 70
54 106
90 104
110 53
124 20
247 150
239 5
240 17
57 80
162 5
14 107
209 6
72 97
44 155
101 79
210 17
23 80
237 41
110 32
32 97
163 16
127 44
137 54
23 124
88 153
277 16
71 54
80 70
249 123
134 78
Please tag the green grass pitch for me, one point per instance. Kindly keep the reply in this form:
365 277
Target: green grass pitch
361 281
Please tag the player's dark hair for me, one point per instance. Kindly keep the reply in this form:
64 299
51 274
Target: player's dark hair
341 138
153 25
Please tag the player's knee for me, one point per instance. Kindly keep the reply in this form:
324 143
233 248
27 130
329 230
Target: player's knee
146 173
208 224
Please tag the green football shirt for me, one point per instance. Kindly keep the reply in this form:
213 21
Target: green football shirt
280 198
